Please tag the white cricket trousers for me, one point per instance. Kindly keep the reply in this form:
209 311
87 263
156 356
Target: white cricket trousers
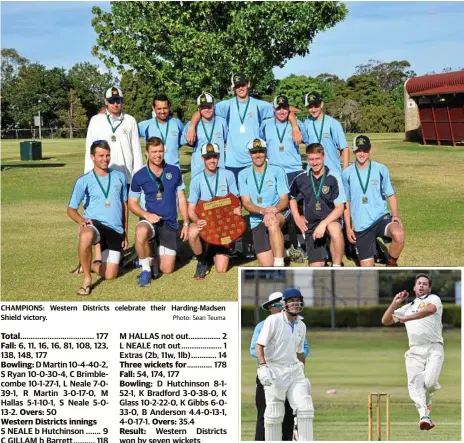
423 366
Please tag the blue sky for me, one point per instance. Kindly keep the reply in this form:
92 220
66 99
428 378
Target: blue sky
427 34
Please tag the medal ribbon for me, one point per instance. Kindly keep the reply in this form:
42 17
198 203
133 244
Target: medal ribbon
242 119
215 187
281 139
260 186
155 178
364 188
318 193
111 124
165 136
105 193
210 136
319 137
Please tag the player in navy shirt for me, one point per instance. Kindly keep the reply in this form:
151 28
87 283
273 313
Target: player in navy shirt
324 202
211 182
163 188
367 188
105 220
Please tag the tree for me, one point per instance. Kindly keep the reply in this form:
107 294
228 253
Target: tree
90 85
388 75
138 95
381 119
346 111
397 96
194 46
74 115
365 90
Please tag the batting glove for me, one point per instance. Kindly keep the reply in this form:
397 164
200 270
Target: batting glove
265 375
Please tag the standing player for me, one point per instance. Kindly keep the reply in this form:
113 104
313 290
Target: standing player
163 188
165 127
264 192
210 183
243 115
210 130
280 354
327 131
423 320
368 187
324 202
274 305
105 220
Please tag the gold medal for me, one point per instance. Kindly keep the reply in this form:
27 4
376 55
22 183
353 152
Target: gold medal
107 204
159 196
318 206
260 200
281 148
113 138
242 129
365 200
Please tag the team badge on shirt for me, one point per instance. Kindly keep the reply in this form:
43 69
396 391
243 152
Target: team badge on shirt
168 176
250 115
223 188
421 305
117 188
325 189
375 181
174 133
125 131
218 135
270 183
325 135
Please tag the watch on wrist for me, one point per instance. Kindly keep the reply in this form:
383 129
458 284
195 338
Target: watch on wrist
187 224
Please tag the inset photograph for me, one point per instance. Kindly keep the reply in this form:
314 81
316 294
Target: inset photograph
350 354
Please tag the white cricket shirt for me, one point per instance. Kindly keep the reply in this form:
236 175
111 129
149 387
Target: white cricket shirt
281 341
427 330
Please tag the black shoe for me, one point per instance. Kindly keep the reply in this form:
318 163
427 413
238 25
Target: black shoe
201 272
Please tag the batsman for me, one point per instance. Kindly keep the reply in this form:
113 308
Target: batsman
280 354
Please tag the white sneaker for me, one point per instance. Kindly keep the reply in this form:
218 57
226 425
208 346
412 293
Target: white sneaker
425 424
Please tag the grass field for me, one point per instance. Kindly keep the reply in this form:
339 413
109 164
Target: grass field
39 241
356 363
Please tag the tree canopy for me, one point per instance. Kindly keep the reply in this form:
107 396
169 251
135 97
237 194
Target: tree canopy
195 46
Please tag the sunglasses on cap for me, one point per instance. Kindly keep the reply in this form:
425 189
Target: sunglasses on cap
114 101
277 305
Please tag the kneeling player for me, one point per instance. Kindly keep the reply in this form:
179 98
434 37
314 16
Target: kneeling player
264 192
211 182
105 220
368 187
324 200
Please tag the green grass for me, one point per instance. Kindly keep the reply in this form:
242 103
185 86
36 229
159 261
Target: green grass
356 363
39 241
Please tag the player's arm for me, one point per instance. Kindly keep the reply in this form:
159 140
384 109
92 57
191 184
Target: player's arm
346 157
300 219
254 339
76 216
183 208
191 133
296 133
337 212
301 357
88 164
260 354
428 310
393 201
135 208
388 317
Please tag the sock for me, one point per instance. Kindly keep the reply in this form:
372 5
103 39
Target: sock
335 266
301 240
278 261
145 263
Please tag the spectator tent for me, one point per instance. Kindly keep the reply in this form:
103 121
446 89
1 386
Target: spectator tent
440 101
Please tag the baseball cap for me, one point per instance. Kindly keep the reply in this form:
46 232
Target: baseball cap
113 92
361 142
238 78
257 144
290 293
313 98
273 298
280 100
205 99
209 149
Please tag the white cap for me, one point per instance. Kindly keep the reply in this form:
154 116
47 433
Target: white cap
257 144
273 298
113 92
209 148
205 99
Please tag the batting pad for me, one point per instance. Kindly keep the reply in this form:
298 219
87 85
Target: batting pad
274 413
305 429
273 432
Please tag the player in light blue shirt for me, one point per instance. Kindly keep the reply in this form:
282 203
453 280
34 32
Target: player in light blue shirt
368 187
211 129
105 220
264 192
243 115
327 131
165 127
211 182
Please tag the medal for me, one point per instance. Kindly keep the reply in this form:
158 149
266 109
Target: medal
259 187
281 148
159 196
319 137
318 206
158 181
242 129
113 138
107 204
165 136
318 192
281 137
113 130
364 199
105 193
242 117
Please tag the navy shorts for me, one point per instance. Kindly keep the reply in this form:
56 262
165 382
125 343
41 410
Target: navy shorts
366 240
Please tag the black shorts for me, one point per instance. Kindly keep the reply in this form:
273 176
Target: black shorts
366 240
214 250
261 235
163 235
108 238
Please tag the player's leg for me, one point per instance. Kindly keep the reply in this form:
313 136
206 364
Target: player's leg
276 240
299 397
167 238
337 243
194 240
111 247
432 371
262 245
144 232
87 237
396 233
415 369
274 414
316 249
221 258
365 246
260 402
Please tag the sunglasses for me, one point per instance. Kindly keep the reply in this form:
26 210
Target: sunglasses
114 101
277 305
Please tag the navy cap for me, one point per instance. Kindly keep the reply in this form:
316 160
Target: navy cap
281 100
238 78
257 144
290 293
313 98
361 142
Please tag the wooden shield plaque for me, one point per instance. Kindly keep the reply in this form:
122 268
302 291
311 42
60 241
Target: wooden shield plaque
222 225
